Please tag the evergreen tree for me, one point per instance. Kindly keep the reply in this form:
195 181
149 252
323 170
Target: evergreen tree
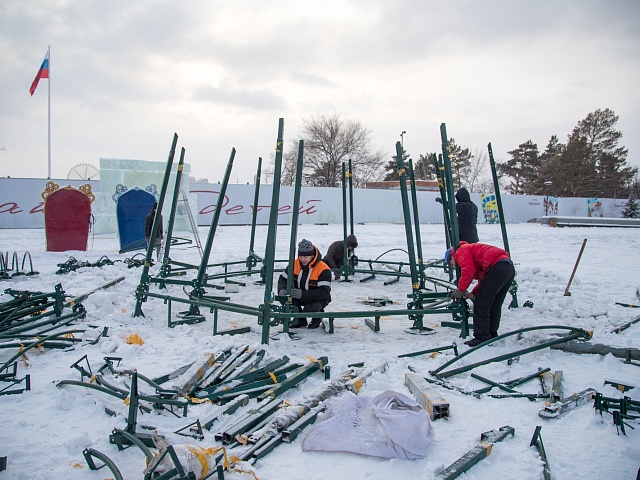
392 167
610 174
545 171
572 171
424 169
631 208
522 168
460 159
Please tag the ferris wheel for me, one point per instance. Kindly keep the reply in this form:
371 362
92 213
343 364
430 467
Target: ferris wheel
83 171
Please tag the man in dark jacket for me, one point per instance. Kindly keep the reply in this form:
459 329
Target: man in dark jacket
148 226
311 287
467 216
493 269
335 254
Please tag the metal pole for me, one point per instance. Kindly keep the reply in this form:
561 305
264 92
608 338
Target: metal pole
269 257
567 293
503 223
350 175
294 226
416 222
143 287
345 266
165 268
254 216
449 189
49 114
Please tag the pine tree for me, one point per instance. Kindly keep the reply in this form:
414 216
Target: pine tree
631 208
611 176
392 167
460 159
523 167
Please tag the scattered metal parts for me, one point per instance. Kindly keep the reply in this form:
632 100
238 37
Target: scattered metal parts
574 334
536 441
435 405
562 407
475 455
90 453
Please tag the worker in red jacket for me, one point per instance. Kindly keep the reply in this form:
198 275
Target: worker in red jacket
493 269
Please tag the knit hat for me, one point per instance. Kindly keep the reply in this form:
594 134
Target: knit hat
306 248
447 256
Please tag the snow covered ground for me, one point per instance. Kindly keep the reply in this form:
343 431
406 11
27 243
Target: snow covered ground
45 430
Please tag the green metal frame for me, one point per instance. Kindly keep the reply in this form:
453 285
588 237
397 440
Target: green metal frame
503 223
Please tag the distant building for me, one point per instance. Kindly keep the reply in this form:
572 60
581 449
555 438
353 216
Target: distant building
421 185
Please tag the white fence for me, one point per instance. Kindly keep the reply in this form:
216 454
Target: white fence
21 205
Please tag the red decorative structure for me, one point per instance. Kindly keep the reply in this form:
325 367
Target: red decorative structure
67 214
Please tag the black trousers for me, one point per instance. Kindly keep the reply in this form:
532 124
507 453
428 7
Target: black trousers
487 304
310 307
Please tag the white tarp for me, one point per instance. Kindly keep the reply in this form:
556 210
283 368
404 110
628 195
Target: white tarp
391 425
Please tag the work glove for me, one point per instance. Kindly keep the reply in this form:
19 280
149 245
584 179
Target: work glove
438 199
456 294
296 293
336 276
469 295
282 292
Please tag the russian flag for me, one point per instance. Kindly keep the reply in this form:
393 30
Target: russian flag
42 73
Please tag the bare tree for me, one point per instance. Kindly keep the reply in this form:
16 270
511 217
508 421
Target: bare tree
478 179
328 142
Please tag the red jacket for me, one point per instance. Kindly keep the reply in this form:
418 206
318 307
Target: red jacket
474 259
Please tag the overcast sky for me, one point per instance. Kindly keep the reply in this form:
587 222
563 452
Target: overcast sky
126 75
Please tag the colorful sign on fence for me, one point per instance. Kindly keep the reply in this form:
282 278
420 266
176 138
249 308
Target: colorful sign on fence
490 208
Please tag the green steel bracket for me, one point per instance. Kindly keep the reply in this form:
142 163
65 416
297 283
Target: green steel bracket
230 393
34 344
228 409
574 334
16 381
194 430
233 331
453 347
221 371
84 372
259 373
291 433
477 454
620 386
372 324
297 377
123 440
515 382
247 420
9 372
493 384
90 453
536 441
93 386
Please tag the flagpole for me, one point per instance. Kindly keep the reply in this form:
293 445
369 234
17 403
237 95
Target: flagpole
49 113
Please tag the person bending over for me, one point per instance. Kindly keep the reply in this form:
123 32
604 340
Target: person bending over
335 254
311 287
493 269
